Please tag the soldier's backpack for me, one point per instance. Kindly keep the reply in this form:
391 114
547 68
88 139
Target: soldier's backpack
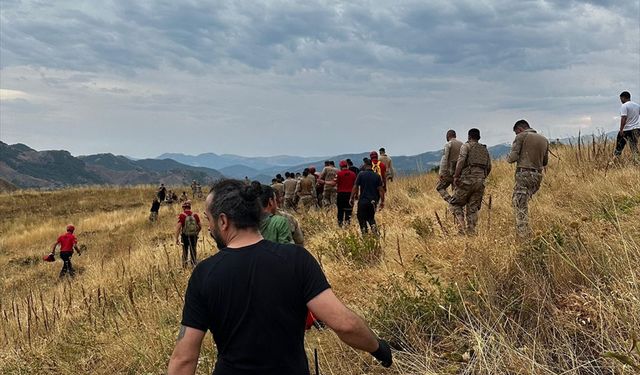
190 227
478 156
377 168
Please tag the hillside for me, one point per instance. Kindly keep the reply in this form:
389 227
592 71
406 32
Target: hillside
404 165
28 168
6 186
565 302
215 161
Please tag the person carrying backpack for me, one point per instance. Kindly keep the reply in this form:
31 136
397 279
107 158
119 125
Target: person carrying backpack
187 230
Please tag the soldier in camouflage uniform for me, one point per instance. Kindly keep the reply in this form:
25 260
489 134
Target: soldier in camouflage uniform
278 187
328 176
294 227
290 184
448 164
472 168
306 190
530 152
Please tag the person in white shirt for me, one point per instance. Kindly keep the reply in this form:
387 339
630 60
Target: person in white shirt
629 125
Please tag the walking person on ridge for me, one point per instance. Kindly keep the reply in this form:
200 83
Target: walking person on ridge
187 229
530 152
448 165
472 168
68 243
368 190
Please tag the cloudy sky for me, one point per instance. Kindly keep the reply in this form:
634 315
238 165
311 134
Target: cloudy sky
308 77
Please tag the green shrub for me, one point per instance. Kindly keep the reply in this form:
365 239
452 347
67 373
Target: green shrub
410 310
423 227
362 250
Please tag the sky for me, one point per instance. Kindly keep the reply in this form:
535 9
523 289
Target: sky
308 78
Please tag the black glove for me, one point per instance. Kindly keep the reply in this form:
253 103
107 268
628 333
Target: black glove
383 354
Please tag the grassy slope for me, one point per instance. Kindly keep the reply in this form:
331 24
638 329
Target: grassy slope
455 305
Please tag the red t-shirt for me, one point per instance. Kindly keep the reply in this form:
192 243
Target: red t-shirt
183 217
346 179
66 242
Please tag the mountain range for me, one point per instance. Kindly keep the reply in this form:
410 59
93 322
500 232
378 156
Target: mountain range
264 168
24 167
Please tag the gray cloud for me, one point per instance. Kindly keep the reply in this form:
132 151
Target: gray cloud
241 68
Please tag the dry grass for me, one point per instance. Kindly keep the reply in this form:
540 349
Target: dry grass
481 305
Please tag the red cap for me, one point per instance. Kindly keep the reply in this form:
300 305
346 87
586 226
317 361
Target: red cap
343 163
70 228
373 155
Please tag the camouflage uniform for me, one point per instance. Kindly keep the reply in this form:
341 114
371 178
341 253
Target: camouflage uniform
294 227
290 194
194 188
278 187
306 190
448 167
390 173
530 151
330 192
475 162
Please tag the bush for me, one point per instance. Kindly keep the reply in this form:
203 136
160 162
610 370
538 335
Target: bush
410 310
362 250
423 227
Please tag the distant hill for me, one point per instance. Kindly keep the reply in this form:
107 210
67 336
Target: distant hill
215 161
6 186
255 168
404 165
239 171
25 167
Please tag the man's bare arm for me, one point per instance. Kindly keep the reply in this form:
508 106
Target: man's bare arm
184 359
354 194
349 327
623 122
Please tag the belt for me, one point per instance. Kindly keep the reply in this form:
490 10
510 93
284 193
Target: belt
521 169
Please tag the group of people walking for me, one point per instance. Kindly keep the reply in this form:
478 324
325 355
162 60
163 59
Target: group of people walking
339 187
259 291
465 167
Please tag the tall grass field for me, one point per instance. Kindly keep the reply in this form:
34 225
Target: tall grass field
567 301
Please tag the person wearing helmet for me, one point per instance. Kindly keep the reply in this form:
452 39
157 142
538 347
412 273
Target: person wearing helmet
68 242
187 230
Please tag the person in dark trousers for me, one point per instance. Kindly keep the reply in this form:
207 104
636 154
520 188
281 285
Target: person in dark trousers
155 207
68 243
344 182
187 230
162 193
369 191
254 296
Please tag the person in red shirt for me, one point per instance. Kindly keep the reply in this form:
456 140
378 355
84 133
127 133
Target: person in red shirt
344 181
68 242
187 229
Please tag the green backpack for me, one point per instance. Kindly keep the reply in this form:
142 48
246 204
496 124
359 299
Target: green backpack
190 227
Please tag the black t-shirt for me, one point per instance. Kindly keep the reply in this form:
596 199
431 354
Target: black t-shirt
253 300
369 182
